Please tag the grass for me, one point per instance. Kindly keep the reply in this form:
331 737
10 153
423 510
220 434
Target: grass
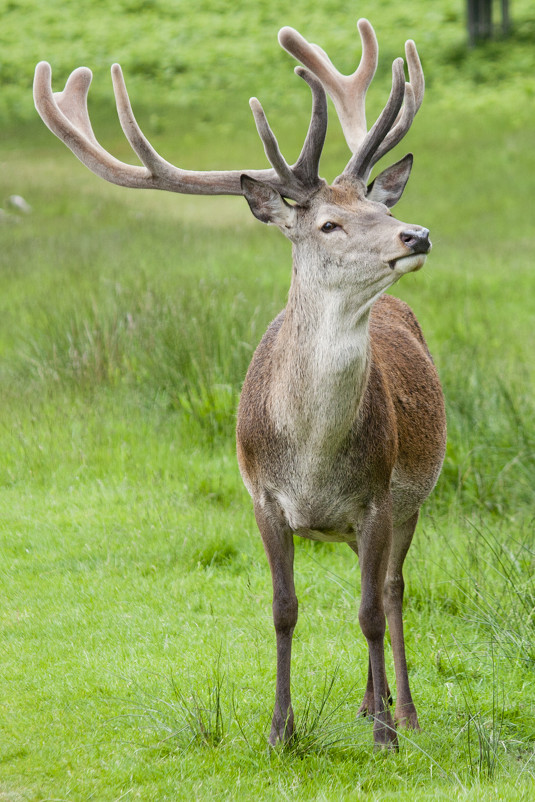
137 656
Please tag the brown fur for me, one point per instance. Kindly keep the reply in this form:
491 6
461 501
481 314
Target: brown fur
412 383
401 421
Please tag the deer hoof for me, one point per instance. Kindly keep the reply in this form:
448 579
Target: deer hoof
385 736
387 746
407 719
281 730
385 740
367 707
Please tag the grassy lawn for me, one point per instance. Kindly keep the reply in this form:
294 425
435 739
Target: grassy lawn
137 656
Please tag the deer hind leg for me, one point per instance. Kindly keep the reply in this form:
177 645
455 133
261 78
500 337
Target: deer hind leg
405 713
373 551
367 707
279 548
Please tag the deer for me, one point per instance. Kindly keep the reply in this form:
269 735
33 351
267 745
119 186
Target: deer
341 426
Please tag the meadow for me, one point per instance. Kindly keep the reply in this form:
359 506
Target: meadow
137 654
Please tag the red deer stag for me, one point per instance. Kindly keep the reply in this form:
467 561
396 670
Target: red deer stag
341 425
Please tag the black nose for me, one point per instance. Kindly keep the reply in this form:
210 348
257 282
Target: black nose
417 239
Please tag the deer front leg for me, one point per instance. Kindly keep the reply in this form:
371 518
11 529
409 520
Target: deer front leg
373 551
279 548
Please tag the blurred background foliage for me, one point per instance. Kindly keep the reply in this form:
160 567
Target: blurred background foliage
174 53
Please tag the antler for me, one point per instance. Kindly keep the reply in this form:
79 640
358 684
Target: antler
65 113
348 93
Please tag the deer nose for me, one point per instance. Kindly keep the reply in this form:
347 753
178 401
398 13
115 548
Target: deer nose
417 239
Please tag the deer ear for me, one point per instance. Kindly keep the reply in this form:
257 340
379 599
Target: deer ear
267 204
388 186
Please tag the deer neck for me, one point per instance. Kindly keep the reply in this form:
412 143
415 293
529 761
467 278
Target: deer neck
322 359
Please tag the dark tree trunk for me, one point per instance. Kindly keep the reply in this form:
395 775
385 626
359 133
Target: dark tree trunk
479 20
505 17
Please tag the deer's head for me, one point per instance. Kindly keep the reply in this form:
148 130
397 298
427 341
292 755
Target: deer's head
342 237
345 235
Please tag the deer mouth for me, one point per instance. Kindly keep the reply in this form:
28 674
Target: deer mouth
408 264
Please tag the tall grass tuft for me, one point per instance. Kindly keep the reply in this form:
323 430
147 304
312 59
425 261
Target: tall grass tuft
498 590
319 728
490 458
484 728
202 715
192 351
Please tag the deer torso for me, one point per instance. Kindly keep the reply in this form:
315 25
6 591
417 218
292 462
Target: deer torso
327 427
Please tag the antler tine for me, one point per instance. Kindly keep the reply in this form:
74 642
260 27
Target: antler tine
400 128
307 164
299 179
73 100
361 163
348 92
416 73
152 160
414 95
409 110
271 146
165 174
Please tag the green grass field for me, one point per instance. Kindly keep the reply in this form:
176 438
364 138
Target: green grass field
137 655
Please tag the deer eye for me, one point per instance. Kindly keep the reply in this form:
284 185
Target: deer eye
329 226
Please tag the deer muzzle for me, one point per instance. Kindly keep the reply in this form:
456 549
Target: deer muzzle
416 240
